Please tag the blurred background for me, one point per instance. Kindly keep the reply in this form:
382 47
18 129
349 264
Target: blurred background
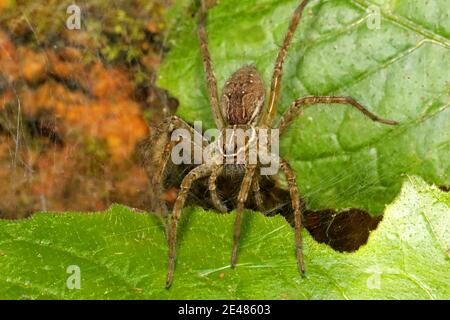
74 104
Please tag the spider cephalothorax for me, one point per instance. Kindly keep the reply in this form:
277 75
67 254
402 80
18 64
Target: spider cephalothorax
241 107
243 96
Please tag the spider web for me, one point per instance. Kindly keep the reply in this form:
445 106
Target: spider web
340 158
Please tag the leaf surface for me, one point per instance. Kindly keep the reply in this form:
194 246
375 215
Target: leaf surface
122 254
398 68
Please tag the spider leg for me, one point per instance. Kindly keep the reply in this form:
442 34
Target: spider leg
162 140
195 174
295 198
162 146
257 194
297 106
218 204
242 197
213 94
278 70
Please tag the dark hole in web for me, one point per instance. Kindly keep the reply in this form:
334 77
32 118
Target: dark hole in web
445 188
343 231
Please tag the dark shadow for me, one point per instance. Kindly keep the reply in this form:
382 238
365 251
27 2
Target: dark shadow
344 231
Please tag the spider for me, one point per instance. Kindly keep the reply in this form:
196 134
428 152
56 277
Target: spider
242 105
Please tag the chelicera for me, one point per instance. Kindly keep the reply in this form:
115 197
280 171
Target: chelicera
243 105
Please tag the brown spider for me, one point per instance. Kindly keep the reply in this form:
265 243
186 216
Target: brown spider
242 105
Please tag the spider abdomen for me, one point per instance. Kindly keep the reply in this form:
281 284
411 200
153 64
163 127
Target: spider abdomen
243 96
235 171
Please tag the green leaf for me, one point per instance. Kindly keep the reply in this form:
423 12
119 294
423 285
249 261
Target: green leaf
399 71
122 254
